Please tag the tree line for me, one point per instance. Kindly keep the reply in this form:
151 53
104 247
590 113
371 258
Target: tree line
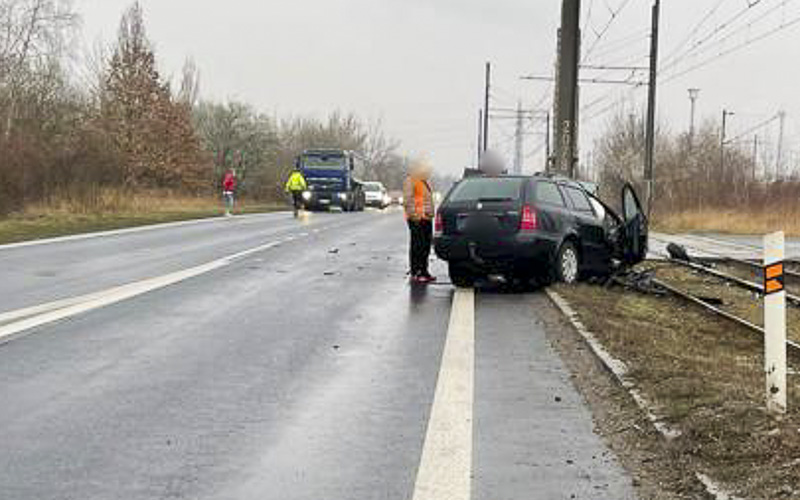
693 172
116 122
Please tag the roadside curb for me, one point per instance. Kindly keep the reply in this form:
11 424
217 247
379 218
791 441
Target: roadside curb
619 371
616 367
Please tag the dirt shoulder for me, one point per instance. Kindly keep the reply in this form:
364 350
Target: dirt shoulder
706 378
655 465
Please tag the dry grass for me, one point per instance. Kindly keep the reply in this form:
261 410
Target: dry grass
749 221
118 201
706 376
112 209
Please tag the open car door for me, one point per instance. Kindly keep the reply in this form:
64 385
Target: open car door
635 228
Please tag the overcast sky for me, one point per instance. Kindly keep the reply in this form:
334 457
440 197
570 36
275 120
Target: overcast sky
418 64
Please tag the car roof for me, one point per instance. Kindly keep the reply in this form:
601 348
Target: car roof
560 179
538 176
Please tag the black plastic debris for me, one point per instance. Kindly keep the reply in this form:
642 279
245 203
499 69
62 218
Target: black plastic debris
678 252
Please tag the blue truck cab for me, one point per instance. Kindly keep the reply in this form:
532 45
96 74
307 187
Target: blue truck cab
330 174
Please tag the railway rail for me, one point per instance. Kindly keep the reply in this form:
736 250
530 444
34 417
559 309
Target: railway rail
686 296
744 284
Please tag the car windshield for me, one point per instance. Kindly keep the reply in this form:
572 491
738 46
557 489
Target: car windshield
488 189
372 187
324 162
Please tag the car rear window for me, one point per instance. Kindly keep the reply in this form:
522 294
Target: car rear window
488 189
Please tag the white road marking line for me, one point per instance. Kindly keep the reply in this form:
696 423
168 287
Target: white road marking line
445 469
27 312
58 310
42 314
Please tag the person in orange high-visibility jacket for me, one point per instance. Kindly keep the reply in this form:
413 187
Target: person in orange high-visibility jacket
420 213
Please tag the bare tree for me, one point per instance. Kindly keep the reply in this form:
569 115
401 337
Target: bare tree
189 92
32 35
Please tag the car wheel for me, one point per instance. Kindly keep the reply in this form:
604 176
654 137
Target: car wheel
568 263
461 276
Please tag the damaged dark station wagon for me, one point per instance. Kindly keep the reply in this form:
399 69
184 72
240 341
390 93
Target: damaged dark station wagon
539 228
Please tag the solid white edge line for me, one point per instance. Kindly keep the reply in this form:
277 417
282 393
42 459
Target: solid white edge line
445 469
38 315
130 230
27 312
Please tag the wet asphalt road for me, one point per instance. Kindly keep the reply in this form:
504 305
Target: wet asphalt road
304 371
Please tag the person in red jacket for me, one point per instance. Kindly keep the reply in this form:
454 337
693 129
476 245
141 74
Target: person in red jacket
228 191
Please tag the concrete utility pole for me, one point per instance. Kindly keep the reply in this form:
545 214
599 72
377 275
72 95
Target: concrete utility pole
779 160
480 137
566 123
693 95
486 105
518 140
725 115
548 161
755 157
650 138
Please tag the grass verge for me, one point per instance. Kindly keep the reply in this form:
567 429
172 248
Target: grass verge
706 377
63 219
758 221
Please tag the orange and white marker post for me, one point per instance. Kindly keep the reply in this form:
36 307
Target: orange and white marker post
775 323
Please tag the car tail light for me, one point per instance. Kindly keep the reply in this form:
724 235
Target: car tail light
529 221
438 225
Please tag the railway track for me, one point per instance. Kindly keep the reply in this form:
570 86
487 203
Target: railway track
717 308
689 297
792 299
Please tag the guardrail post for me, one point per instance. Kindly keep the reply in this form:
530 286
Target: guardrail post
775 323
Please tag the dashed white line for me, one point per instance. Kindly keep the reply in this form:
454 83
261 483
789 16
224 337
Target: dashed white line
446 466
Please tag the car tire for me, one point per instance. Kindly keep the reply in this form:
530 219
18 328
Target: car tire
461 276
568 263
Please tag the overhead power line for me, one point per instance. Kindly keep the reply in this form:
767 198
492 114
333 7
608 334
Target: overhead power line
752 129
621 44
614 68
614 14
695 30
600 81
586 23
736 48
699 45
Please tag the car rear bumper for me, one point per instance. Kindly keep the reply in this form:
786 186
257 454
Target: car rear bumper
499 253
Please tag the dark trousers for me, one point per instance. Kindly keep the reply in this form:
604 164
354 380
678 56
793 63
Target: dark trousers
297 199
421 239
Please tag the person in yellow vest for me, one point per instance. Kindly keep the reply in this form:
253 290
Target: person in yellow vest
296 185
420 214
